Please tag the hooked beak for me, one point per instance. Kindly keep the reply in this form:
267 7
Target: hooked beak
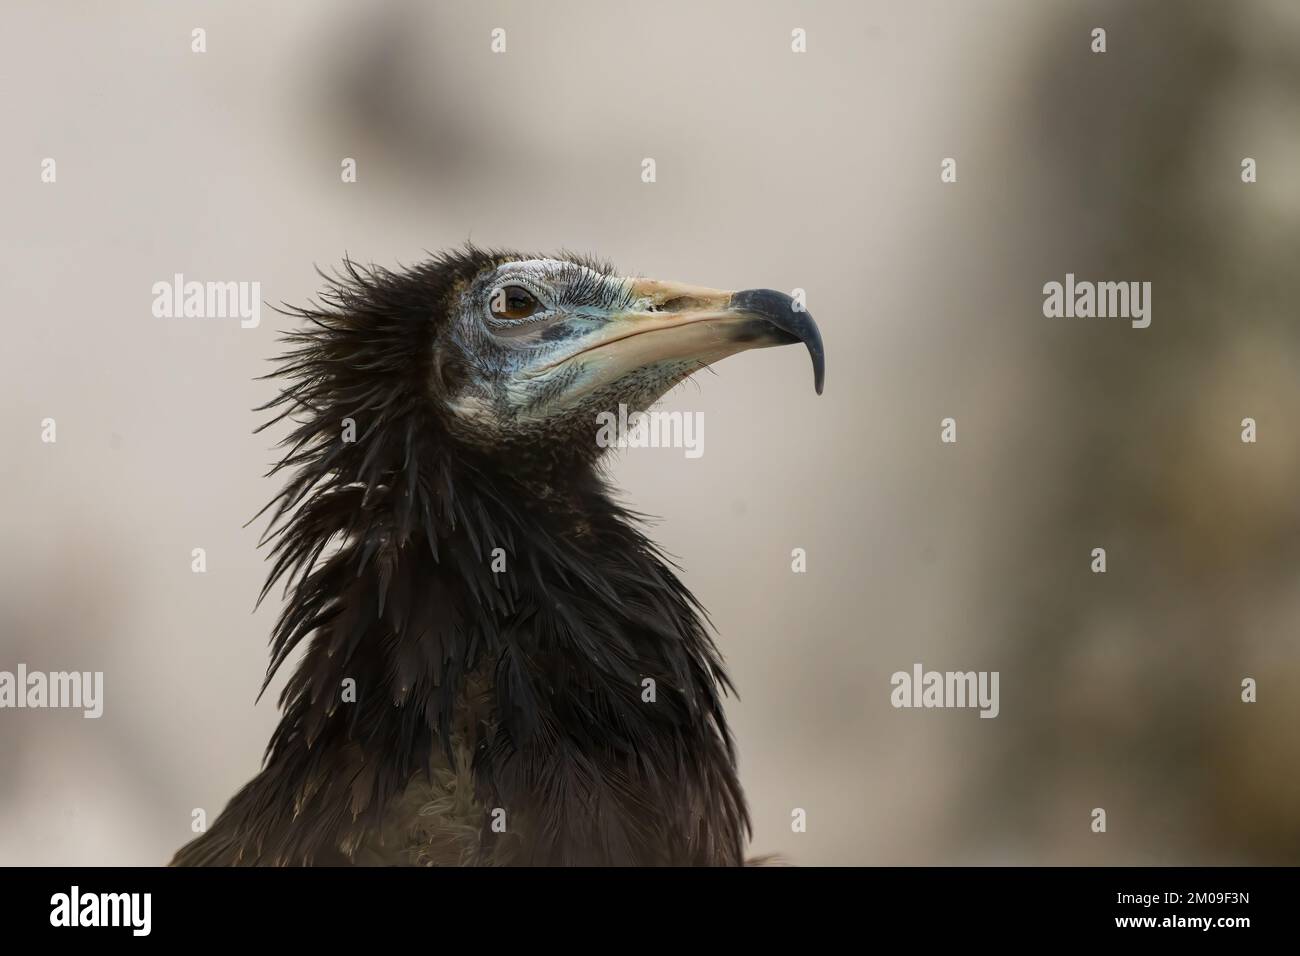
669 322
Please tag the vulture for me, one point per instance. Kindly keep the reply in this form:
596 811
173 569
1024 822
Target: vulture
495 665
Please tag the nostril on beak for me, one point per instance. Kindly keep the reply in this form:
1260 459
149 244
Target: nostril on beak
680 303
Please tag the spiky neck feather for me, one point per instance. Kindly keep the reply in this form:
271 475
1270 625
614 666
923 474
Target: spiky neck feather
477 606
565 611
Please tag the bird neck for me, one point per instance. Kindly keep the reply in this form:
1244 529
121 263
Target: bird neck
528 627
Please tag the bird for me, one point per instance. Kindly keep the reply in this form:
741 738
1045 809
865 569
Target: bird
497 666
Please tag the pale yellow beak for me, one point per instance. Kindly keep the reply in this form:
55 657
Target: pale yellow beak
669 322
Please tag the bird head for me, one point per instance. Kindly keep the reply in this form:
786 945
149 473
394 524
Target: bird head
540 346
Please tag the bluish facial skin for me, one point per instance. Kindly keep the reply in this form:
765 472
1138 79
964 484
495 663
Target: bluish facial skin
549 343
574 302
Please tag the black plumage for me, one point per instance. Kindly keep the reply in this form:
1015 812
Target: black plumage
499 715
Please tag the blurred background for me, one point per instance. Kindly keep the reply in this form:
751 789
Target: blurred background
817 170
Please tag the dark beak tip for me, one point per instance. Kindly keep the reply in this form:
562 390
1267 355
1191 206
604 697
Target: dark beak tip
780 309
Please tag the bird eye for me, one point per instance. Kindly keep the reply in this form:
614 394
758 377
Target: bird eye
514 302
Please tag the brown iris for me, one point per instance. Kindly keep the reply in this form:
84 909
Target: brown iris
513 302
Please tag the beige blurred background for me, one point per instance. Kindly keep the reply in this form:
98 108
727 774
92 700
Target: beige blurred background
818 171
